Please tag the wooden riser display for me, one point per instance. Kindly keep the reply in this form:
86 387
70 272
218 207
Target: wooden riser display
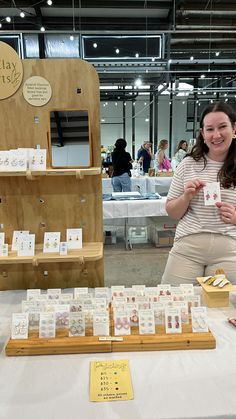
63 344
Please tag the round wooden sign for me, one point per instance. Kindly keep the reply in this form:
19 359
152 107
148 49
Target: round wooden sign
37 91
11 71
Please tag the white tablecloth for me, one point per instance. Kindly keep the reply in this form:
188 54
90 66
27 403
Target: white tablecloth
143 184
167 385
134 209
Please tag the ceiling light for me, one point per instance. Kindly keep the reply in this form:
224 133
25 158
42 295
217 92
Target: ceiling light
42 29
138 82
145 103
146 70
102 120
153 58
137 55
203 76
204 92
191 58
8 19
49 2
226 100
217 54
183 102
0 25
115 103
146 119
225 94
134 104
22 14
95 45
117 50
71 37
170 61
125 104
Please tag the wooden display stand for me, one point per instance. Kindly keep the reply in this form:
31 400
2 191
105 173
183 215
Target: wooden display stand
54 199
63 344
214 296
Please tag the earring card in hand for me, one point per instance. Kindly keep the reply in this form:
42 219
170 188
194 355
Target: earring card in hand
51 242
212 193
110 381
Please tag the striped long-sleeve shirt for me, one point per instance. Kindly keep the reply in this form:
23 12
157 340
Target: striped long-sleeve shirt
200 218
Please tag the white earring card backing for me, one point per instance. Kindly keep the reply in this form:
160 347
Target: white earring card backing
74 238
51 242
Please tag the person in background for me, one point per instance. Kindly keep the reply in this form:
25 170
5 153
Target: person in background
205 237
162 160
180 152
145 156
122 163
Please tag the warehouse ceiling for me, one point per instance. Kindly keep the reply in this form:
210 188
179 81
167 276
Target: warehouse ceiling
197 36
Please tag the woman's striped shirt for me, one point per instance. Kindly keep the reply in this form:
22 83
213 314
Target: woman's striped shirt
200 218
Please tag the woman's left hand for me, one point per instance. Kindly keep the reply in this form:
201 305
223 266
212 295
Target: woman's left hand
227 212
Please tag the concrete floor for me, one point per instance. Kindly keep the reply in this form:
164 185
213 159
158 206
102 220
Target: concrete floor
144 264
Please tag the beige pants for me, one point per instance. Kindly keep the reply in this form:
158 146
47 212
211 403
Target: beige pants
200 255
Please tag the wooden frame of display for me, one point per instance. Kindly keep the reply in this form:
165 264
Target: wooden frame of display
54 199
63 344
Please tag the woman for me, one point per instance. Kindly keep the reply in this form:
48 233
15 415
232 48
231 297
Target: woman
206 234
163 163
121 161
180 152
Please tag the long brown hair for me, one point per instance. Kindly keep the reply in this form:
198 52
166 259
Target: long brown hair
227 174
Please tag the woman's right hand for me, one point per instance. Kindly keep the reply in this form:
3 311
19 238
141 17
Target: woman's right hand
193 187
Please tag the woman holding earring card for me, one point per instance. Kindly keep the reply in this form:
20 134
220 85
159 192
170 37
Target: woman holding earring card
202 196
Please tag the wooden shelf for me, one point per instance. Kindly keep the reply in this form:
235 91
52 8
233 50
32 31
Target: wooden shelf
89 253
63 344
79 173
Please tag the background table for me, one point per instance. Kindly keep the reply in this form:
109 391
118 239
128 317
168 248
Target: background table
167 385
127 211
143 184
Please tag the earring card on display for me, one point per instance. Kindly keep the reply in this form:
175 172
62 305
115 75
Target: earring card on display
74 238
18 160
37 159
187 289
183 309
63 248
26 245
199 320
4 161
62 316
159 312
76 324
4 250
146 322
54 293
121 323
33 294
101 292
100 323
173 320
47 325
51 243
16 236
2 238
80 291
66 297
19 326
